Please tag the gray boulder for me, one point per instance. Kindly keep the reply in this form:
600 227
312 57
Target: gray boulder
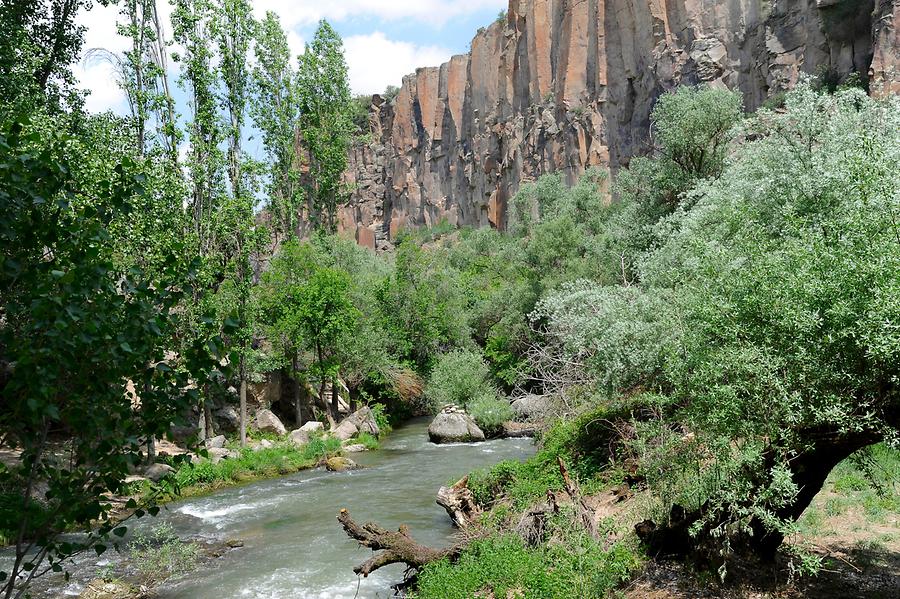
454 427
531 407
264 444
217 442
157 472
301 435
268 422
360 421
217 454
355 448
227 419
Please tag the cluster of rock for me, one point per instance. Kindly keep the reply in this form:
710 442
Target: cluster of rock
564 85
453 425
266 421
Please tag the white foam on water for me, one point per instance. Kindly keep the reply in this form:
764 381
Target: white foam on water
218 515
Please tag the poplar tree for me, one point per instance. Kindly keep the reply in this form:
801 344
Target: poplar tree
326 122
275 113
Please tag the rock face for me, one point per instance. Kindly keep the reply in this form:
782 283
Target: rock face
454 426
268 422
564 85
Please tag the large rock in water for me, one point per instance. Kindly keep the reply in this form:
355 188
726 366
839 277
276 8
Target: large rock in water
360 421
340 464
565 86
454 426
268 422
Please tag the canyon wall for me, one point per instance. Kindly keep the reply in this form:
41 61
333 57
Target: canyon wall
564 85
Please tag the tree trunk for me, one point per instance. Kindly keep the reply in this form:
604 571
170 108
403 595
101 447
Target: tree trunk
208 428
808 471
459 503
396 547
243 411
335 400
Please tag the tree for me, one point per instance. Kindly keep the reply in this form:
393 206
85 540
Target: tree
235 30
326 122
275 112
326 315
144 76
76 329
194 23
690 128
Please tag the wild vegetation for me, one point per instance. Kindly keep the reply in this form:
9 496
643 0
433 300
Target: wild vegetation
720 332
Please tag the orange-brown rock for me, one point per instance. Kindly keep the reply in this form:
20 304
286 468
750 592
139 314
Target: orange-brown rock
562 85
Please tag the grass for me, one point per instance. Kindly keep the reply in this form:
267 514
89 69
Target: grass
574 565
160 554
282 459
369 441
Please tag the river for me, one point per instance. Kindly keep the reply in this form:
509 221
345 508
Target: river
293 544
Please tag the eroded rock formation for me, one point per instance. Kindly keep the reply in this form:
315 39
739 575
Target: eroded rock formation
563 85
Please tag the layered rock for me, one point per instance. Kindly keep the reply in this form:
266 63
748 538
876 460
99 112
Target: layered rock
564 85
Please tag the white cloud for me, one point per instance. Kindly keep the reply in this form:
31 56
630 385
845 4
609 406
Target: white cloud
431 12
374 61
96 73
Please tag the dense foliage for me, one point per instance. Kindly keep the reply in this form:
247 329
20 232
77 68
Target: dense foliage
728 326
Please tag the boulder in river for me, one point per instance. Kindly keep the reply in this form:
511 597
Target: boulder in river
355 448
301 435
268 422
360 421
454 427
340 464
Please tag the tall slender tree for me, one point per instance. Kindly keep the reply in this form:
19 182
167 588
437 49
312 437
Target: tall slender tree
234 32
326 122
275 113
194 25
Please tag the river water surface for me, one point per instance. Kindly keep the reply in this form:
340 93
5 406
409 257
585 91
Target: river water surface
294 546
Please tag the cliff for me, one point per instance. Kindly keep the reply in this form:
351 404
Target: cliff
563 85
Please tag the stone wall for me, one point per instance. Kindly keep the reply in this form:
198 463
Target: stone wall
563 85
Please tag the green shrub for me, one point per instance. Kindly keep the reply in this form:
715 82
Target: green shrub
490 411
370 441
457 378
160 554
503 566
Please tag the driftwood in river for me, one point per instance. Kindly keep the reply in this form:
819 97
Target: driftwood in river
400 547
395 547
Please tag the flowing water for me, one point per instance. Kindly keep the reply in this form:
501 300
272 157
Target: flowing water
293 544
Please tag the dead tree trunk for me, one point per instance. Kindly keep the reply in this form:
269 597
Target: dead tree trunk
395 547
459 503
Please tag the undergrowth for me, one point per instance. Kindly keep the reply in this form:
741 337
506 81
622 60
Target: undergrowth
284 458
572 564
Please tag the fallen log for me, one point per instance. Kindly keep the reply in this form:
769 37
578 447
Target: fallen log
395 547
459 503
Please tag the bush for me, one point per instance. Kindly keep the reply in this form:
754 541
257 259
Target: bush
457 378
503 566
160 554
490 411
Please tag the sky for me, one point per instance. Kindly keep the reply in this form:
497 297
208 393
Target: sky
383 39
